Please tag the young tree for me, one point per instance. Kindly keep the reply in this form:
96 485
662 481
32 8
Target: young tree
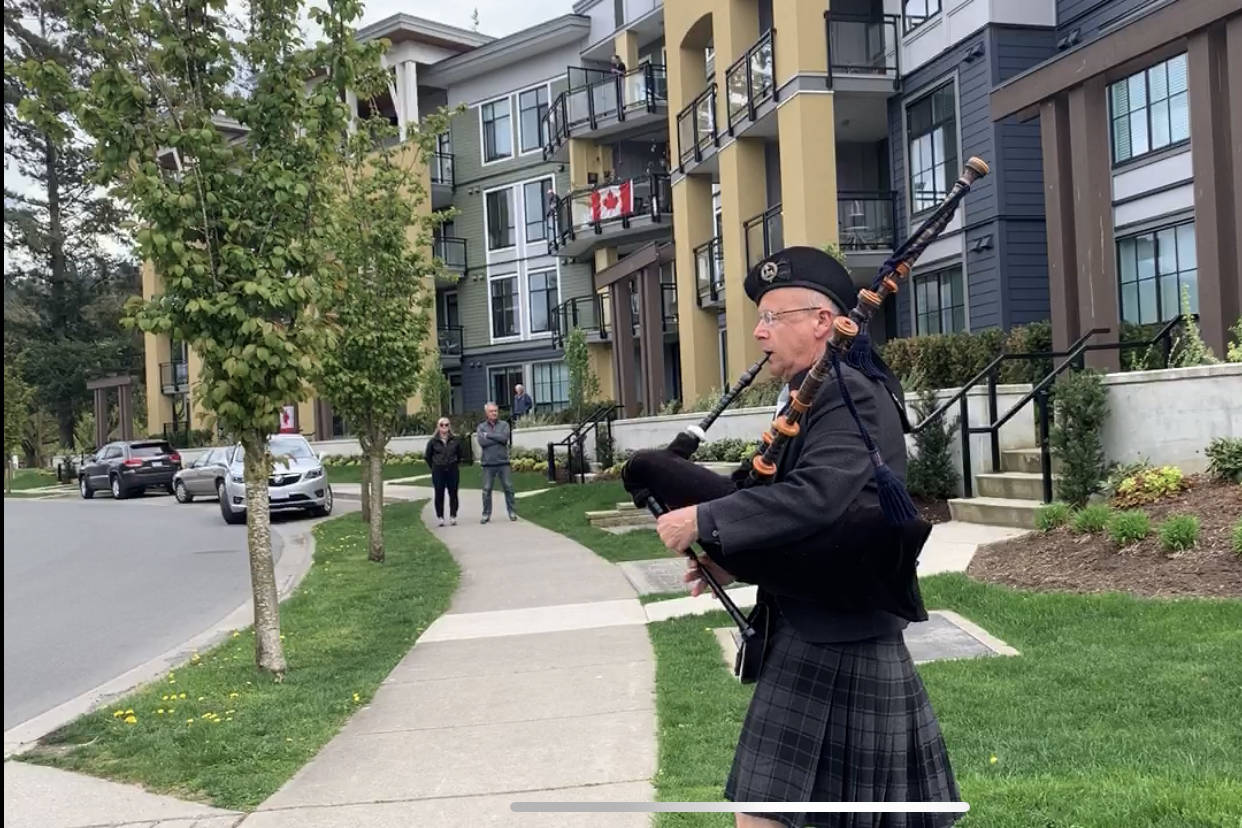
16 415
583 384
222 144
382 304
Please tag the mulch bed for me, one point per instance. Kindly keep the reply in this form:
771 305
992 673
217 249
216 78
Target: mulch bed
932 511
1063 561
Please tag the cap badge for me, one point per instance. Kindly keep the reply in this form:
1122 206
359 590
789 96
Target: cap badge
768 272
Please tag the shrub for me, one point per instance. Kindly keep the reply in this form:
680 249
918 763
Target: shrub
1225 454
1051 515
930 472
1237 538
1032 338
950 360
1141 359
1188 346
1150 485
1091 518
583 384
727 450
1179 532
1081 407
1118 473
1128 527
1234 352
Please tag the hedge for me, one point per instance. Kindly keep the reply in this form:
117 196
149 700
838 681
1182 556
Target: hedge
951 360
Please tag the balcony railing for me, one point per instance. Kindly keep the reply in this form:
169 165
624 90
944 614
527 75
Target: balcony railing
450 338
860 44
442 169
764 235
597 94
668 306
751 80
174 378
451 250
709 272
585 312
696 127
617 202
867 220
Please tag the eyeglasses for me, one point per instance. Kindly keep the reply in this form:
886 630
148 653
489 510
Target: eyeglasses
768 318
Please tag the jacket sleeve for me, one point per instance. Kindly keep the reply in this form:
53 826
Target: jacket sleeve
427 452
832 470
483 437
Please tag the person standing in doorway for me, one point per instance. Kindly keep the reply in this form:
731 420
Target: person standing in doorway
445 455
522 402
493 436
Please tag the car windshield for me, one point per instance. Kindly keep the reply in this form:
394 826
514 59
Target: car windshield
289 446
150 449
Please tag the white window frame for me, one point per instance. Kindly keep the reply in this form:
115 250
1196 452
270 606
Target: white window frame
512 132
530 322
937 270
543 205
517 96
487 224
518 310
906 102
530 386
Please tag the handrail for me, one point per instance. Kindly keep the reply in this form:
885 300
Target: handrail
559 124
767 88
606 413
885 23
697 141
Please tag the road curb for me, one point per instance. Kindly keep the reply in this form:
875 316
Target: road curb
297 549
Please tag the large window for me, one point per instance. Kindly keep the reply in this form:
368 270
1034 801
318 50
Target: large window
532 106
931 127
1150 110
543 300
551 385
504 306
497 130
939 302
503 378
918 12
1153 268
535 203
499 204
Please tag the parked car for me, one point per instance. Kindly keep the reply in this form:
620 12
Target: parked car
202 478
297 483
129 467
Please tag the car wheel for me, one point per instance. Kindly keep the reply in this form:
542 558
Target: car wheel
119 492
230 517
178 489
326 508
85 488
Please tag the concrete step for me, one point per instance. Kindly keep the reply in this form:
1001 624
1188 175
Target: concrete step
1025 460
1013 485
626 506
609 518
996 511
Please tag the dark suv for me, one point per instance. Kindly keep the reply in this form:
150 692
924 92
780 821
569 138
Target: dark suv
127 468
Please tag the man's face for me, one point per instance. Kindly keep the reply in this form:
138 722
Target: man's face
519 390
492 413
797 330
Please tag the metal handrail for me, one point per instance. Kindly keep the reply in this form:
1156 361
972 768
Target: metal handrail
441 161
450 250
606 414
692 112
766 92
885 23
862 237
654 200
646 95
766 218
713 280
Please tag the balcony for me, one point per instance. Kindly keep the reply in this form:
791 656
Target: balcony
863 52
750 90
866 228
174 378
442 180
697 137
668 306
585 312
600 103
451 253
764 235
450 339
620 212
709 273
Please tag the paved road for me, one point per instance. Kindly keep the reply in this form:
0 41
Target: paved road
95 588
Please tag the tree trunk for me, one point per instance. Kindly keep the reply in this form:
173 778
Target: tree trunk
375 521
366 487
268 652
8 473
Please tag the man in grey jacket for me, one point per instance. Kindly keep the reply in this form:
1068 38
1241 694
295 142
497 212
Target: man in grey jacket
493 437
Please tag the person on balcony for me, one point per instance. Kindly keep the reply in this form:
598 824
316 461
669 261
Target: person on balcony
618 65
522 402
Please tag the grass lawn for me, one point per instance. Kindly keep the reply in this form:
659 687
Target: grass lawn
471 476
230 736
564 508
1119 712
32 479
353 474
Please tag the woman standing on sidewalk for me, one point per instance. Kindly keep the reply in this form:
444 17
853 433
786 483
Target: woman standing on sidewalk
444 454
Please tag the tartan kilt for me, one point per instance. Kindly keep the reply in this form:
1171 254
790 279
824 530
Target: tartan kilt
847 722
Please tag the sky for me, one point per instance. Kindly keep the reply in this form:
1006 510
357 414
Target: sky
496 17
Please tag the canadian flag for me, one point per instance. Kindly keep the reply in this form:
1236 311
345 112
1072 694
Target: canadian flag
612 202
287 419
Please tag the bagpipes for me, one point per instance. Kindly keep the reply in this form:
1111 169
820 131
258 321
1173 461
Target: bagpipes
868 559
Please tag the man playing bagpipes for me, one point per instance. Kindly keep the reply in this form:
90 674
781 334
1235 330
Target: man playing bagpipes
838 713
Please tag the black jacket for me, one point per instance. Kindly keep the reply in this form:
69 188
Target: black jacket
444 454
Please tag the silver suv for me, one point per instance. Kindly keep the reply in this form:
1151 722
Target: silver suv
298 481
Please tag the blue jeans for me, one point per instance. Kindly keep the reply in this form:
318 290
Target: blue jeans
490 473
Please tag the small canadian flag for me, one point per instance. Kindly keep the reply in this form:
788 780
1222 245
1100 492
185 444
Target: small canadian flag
612 202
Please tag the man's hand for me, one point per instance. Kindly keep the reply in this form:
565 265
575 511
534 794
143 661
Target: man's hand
679 528
694 576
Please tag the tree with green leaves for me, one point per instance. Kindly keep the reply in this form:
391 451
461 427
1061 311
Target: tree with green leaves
583 384
16 416
1188 347
383 300
222 142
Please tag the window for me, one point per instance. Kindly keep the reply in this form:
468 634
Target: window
551 385
931 127
504 306
503 379
497 130
499 206
939 302
918 12
1150 110
1153 268
532 106
543 300
535 204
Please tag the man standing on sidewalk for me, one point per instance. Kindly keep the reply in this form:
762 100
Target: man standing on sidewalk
493 437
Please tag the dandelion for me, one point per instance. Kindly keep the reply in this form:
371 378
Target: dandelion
129 712
993 760
234 694
182 696
164 697
356 699
189 721
171 711
288 738
229 712
116 714
200 698
131 720
236 633
160 712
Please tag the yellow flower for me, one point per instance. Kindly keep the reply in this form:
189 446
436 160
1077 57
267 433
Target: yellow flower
282 636
164 697
171 711
131 720
182 696
356 697
116 714
236 633
160 711
200 698
288 738
189 721
233 695
129 712
993 760
229 712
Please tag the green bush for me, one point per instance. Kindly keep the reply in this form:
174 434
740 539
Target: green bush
727 450
1150 485
1234 352
1237 538
1188 346
1128 527
1091 519
1119 472
1032 338
1179 532
1051 515
1081 405
951 360
1141 359
930 472
1225 454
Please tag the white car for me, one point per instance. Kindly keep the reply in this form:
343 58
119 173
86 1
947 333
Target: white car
298 481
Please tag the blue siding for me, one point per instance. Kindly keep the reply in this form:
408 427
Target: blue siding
1024 247
984 280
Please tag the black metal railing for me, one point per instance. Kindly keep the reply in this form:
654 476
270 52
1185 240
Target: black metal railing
751 80
764 235
442 169
867 219
616 202
174 377
451 250
709 272
910 22
585 312
595 95
668 306
696 128
860 44
599 424
451 339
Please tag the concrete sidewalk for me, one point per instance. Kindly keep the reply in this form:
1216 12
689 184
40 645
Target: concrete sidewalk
538 684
